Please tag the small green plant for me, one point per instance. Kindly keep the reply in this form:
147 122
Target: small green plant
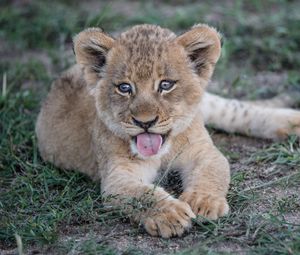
287 153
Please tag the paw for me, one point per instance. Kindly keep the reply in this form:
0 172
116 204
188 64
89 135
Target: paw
168 218
287 122
209 206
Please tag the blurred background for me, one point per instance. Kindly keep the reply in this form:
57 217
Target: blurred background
261 39
260 58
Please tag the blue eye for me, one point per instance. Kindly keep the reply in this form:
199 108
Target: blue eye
166 85
124 88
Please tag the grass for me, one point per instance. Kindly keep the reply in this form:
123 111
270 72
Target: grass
286 153
57 211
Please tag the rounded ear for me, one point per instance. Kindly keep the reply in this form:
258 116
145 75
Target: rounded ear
91 47
203 46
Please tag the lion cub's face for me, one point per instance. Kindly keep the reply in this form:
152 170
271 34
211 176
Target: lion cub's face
148 82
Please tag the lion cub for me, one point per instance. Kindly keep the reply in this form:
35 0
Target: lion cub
131 106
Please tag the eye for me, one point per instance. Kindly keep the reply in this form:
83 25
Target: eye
124 88
166 85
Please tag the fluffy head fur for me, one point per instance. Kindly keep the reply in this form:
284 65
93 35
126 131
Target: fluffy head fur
144 56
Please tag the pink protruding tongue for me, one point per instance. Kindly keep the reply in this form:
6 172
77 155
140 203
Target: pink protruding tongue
148 144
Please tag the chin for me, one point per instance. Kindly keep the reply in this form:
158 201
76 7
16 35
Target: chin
165 148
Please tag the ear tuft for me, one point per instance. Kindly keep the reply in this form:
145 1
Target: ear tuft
91 47
203 46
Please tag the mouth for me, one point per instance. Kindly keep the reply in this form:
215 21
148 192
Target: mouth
149 144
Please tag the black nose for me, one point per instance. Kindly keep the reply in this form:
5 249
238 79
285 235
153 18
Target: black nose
145 125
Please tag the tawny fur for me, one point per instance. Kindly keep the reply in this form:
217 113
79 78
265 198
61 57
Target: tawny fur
86 123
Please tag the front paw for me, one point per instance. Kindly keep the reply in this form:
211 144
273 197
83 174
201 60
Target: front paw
170 217
209 206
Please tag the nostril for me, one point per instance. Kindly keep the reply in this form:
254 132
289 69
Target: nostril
145 125
153 122
136 122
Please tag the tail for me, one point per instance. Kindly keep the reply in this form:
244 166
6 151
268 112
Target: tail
257 118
